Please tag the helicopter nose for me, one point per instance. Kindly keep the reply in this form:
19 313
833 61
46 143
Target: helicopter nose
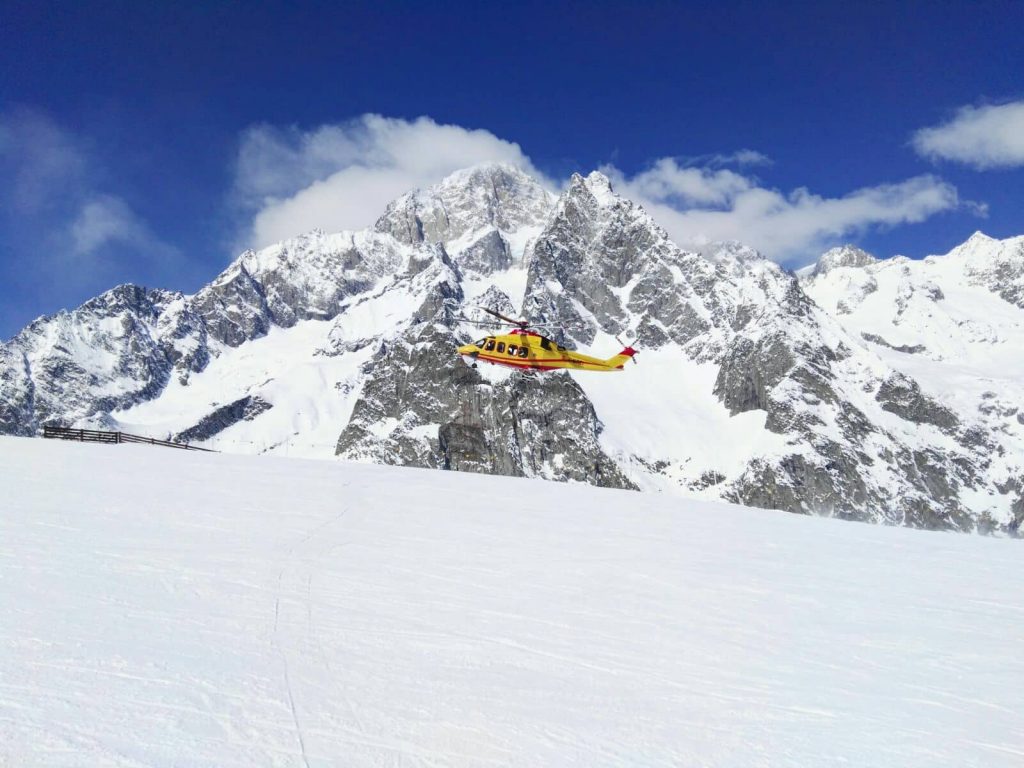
467 349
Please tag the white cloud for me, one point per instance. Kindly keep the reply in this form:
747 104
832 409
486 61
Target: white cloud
55 206
700 205
106 220
985 137
342 176
741 157
683 186
746 157
43 162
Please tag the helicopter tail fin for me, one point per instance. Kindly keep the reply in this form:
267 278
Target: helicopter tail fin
620 359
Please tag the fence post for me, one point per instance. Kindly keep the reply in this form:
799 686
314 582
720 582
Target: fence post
81 435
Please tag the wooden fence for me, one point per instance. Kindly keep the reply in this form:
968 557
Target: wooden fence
96 436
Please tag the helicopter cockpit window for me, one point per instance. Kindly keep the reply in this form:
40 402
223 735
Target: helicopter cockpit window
513 349
501 346
480 343
489 346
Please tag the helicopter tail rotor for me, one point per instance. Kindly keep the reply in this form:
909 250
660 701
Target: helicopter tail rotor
627 350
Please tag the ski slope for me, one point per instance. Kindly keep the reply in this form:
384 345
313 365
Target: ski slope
170 608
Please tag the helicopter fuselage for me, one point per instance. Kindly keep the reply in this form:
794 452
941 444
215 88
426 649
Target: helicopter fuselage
529 350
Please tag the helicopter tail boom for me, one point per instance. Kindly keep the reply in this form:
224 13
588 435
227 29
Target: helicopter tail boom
620 359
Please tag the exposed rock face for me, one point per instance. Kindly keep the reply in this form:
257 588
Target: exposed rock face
602 264
556 430
479 198
425 409
183 337
482 215
104 355
17 392
234 307
902 395
244 409
867 389
749 370
910 349
795 484
301 279
1018 515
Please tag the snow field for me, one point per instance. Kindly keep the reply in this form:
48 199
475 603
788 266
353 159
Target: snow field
664 408
168 608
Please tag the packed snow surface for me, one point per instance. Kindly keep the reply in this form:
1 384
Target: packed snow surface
171 608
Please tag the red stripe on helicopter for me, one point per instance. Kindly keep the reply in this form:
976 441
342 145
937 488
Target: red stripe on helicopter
544 365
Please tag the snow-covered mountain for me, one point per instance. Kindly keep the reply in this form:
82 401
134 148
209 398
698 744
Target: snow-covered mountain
951 329
865 389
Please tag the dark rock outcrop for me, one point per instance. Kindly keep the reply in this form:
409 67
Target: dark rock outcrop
244 409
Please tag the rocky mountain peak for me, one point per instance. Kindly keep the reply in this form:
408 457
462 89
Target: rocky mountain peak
600 186
735 258
484 215
482 175
730 251
843 256
981 247
595 188
998 265
978 248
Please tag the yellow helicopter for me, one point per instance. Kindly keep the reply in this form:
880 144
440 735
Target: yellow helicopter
524 347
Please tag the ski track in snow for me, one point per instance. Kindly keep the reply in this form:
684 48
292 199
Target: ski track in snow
163 608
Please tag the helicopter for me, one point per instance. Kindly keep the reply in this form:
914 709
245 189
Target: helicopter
525 348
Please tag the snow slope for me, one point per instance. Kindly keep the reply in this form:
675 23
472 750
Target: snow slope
172 608
953 323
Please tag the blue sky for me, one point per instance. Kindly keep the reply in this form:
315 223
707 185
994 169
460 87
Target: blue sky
147 142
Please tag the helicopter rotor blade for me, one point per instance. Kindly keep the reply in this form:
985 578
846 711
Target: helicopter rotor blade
520 323
496 324
556 323
481 323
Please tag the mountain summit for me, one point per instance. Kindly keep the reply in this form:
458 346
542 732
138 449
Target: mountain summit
880 390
